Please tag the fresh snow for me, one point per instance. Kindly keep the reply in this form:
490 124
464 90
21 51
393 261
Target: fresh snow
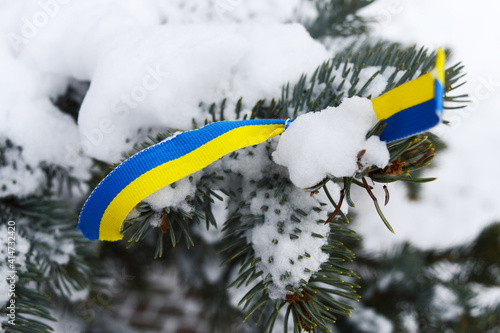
145 74
369 321
284 258
164 76
445 304
328 142
486 297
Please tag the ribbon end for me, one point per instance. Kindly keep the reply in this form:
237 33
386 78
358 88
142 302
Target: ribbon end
415 106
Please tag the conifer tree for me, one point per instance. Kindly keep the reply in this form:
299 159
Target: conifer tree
67 283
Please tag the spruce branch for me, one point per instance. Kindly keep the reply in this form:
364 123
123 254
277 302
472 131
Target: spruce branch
408 280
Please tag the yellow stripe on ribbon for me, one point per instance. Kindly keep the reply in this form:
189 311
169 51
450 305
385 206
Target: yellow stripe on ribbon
412 93
175 170
409 94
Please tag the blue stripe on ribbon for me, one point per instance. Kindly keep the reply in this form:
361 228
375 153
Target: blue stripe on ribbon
148 159
417 119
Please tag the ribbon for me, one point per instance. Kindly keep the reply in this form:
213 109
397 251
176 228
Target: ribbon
411 108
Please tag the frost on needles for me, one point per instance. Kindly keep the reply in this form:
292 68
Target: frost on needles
328 142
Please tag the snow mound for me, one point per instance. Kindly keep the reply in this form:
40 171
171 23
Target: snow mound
329 142
164 76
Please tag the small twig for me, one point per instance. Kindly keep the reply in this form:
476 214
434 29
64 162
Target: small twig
334 204
337 209
387 195
164 223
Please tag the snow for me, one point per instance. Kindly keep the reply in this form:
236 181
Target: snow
392 278
17 177
284 258
43 47
446 271
445 303
29 120
180 11
134 213
155 220
46 44
409 321
287 259
180 66
328 142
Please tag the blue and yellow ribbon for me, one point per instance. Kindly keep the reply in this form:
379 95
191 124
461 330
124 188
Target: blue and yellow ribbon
411 108
163 164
